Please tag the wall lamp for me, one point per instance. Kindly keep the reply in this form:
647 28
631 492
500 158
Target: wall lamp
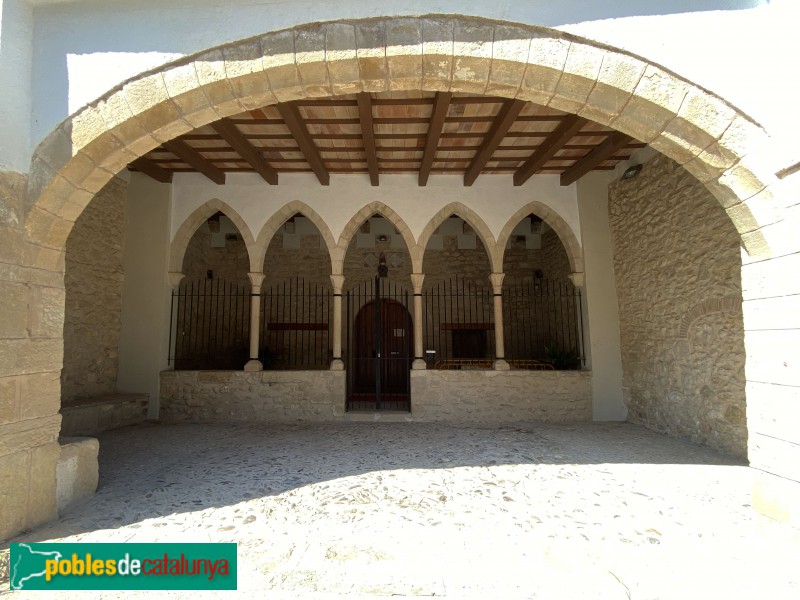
631 171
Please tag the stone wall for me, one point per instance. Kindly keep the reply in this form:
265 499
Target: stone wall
677 265
31 313
520 262
454 396
501 396
223 253
93 305
229 396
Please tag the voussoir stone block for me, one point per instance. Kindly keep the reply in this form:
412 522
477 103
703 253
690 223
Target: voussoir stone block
404 53
280 66
340 52
472 50
371 55
437 54
618 77
47 229
546 61
658 98
581 70
510 52
309 45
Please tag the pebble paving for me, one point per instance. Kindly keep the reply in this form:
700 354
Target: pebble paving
375 509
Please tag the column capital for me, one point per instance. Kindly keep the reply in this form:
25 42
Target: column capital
496 279
416 281
337 281
175 279
577 278
256 279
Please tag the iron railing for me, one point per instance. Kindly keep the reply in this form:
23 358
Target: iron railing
378 346
458 322
295 325
210 325
542 321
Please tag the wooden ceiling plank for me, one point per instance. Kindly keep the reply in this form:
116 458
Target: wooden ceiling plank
368 133
231 134
615 142
150 168
196 160
502 123
441 104
291 117
556 140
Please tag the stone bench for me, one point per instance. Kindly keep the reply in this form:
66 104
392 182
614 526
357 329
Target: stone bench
90 416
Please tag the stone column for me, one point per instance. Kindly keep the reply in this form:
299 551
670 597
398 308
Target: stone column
500 364
419 358
337 281
256 279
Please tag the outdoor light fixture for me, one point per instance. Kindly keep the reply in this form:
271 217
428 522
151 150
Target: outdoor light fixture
631 171
383 238
213 223
536 224
383 268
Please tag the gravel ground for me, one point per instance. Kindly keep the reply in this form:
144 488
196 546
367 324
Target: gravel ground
413 509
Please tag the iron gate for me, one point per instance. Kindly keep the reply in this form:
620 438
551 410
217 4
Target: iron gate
379 346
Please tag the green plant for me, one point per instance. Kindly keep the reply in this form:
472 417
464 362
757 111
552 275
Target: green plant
561 359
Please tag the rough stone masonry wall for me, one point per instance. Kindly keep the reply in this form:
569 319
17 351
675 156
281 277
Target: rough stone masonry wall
677 265
501 396
275 396
229 262
31 312
551 258
93 305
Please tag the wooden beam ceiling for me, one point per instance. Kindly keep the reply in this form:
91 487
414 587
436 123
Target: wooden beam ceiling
196 160
614 143
231 134
500 126
562 134
368 133
291 116
441 105
442 133
148 167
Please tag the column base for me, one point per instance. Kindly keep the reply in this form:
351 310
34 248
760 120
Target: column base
501 365
419 364
253 365
337 364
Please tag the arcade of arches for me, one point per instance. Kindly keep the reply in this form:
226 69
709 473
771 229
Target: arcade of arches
657 258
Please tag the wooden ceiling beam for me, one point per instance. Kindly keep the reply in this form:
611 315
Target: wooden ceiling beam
615 142
231 134
441 104
291 117
556 140
196 160
150 168
368 133
502 123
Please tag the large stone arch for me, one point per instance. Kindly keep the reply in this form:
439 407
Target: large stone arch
355 222
474 221
718 144
279 218
180 242
554 220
